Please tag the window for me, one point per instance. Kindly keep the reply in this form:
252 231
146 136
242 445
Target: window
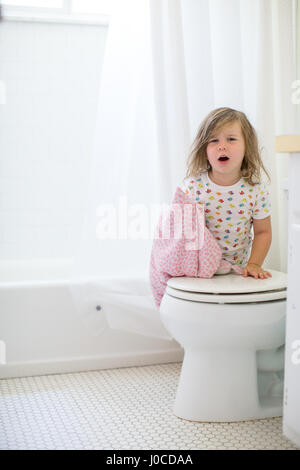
103 7
35 3
90 11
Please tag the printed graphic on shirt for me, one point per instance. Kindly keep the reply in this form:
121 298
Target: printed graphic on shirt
229 212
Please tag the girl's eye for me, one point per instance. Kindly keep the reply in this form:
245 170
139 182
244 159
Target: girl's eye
215 140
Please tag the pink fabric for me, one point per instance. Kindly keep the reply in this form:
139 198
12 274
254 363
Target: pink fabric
195 253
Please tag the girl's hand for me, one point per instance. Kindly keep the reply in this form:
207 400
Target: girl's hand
256 271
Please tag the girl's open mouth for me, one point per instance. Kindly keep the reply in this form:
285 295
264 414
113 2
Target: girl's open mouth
223 159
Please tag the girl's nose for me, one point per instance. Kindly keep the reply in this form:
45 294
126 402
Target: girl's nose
222 146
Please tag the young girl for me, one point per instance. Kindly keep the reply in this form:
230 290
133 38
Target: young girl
224 175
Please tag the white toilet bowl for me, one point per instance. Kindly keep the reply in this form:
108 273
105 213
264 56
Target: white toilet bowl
224 325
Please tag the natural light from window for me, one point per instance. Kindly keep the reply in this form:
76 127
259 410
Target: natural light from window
98 7
92 6
35 3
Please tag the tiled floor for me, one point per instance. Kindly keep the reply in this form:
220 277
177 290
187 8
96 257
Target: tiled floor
127 408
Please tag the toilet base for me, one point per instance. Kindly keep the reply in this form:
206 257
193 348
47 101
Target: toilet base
228 394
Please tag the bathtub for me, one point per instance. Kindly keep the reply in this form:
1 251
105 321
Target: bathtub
43 330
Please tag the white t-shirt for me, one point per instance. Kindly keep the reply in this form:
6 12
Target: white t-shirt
229 212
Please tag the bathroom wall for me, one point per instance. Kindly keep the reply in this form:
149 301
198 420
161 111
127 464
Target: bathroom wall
282 160
51 73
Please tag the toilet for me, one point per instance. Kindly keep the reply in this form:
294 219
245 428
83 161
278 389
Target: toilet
232 329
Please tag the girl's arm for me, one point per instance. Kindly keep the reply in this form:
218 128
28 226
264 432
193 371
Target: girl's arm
260 247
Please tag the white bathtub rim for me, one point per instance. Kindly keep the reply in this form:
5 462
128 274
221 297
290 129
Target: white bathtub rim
89 363
68 281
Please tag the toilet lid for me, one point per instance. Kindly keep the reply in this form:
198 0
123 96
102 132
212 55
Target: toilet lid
229 288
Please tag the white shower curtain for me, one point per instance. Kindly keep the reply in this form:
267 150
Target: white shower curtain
167 64
141 137
141 134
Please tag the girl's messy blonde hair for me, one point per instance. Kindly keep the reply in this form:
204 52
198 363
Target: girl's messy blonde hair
252 164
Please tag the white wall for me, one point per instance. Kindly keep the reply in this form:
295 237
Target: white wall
52 74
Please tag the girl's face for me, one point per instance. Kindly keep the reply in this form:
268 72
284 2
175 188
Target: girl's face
227 142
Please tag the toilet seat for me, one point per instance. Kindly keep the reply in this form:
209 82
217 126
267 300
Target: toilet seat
227 298
229 288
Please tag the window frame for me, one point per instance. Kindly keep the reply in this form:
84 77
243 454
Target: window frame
52 15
